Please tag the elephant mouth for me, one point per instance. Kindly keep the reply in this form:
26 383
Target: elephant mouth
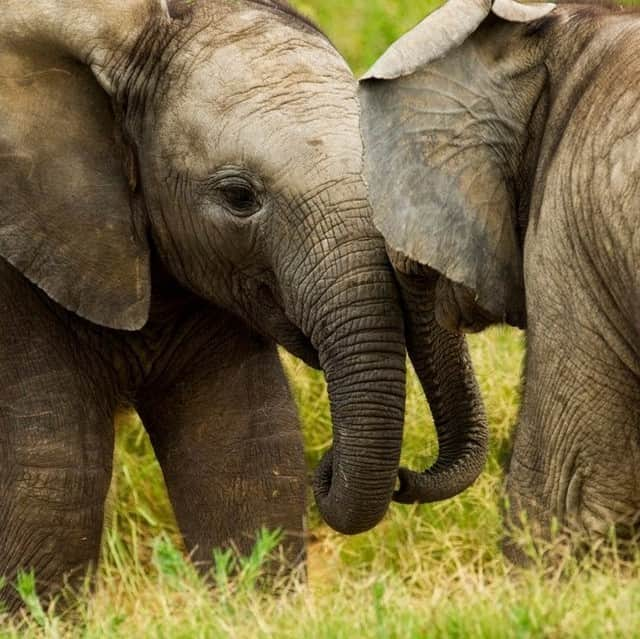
300 346
275 324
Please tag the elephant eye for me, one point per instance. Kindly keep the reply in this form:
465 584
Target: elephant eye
239 197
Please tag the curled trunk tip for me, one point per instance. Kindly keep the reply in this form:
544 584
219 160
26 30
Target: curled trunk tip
335 509
446 478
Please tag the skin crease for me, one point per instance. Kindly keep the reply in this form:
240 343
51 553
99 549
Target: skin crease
561 96
208 278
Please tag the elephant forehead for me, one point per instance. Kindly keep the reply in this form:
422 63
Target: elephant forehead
287 96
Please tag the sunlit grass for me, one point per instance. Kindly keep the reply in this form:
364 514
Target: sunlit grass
428 571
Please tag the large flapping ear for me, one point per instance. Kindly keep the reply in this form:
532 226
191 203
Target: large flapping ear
439 131
66 220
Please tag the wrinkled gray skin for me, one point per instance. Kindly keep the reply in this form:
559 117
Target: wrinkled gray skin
513 169
165 171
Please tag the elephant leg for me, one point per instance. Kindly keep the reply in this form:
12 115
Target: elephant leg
576 454
56 448
227 437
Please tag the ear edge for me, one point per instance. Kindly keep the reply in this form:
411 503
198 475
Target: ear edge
520 12
397 61
500 307
129 316
488 264
440 32
134 318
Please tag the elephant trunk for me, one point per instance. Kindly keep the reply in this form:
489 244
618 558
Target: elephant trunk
360 342
443 365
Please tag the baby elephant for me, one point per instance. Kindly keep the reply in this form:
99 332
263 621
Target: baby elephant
181 188
503 152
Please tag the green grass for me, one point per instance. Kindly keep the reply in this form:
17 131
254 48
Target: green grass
428 571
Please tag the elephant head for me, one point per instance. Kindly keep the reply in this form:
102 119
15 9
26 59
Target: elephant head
447 113
223 139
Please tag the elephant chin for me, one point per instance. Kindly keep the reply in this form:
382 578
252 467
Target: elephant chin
296 343
457 309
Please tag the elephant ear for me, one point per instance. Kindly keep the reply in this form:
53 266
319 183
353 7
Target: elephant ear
442 138
65 201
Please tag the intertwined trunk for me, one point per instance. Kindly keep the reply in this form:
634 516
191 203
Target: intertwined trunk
443 365
366 381
357 328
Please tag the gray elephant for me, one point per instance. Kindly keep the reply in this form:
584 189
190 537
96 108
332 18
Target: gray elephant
181 188
503 153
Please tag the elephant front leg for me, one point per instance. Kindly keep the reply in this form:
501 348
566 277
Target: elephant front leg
56 448
576 453
228 441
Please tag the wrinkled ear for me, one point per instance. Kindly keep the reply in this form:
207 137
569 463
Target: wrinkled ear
441 139
65 216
